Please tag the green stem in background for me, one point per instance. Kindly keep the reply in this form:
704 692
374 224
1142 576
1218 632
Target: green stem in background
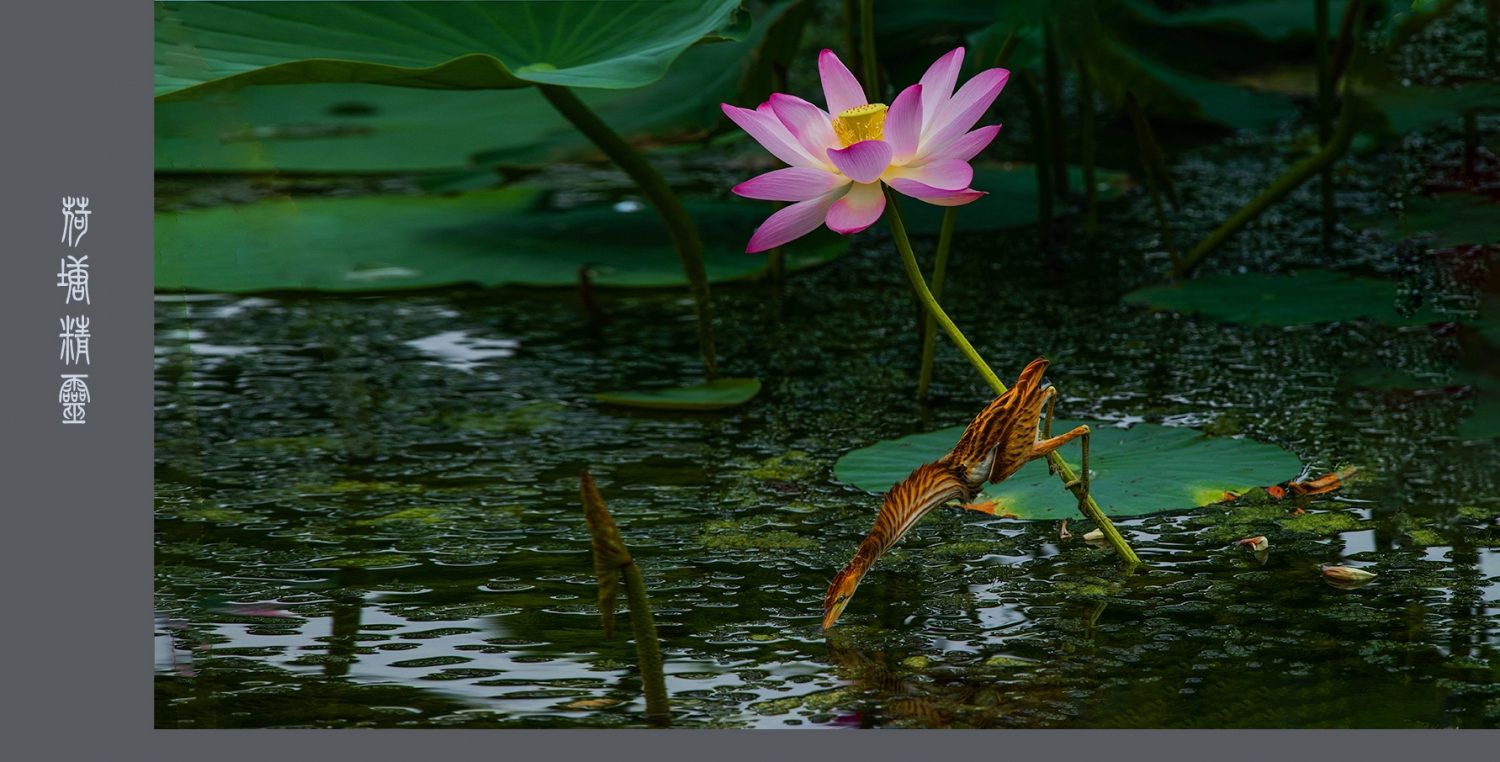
776 262
1041 146
1052 71
1471 140
1492 35
679 225
851 19
1325 113
929 328
914 273
1153 166
867 49
612 564
1087 147
776 259
1288 182
1345 47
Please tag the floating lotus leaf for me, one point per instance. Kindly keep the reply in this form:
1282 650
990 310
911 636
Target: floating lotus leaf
1452 219
216 46
1484 423
713 395
1409 108
1137 471
1309 297
488 238
371 128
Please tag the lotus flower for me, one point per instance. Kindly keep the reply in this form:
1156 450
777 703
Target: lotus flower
920 146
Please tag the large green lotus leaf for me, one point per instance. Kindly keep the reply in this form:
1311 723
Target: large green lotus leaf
1168 93
1452 219
611 44
372 128
711 395
488 237
1381 378
1012 199
1310 297
1270 19
1162 91
1137 471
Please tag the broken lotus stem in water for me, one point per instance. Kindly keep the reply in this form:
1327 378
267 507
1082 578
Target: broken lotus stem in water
612 563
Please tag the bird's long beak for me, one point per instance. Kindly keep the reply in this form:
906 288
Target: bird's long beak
841 589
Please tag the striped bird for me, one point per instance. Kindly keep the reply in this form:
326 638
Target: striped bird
1002 438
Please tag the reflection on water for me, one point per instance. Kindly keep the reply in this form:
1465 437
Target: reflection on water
367 509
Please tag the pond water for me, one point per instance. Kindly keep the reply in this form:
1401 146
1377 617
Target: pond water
368 506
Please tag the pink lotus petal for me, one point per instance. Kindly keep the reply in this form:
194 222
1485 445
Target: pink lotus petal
966 147
938 84
931 195
862 162
812 128
963 110
791 184
903 124
771 134
857 210
793 222
948 176
840 88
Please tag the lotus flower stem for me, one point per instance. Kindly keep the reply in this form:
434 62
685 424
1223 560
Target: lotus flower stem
1041 146
913 272
1325 114
612 564
929 328
1087 147
1052 72
867 46
679 225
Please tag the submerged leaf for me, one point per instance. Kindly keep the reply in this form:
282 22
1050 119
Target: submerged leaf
1312 296
712 395
1142 470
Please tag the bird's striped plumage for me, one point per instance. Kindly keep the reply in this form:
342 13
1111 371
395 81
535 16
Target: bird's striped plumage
1001 439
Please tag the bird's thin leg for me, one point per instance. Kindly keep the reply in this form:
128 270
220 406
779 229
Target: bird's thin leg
1047 427
1051 403
1045 447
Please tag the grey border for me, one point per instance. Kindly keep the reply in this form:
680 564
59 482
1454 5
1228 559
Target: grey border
78 679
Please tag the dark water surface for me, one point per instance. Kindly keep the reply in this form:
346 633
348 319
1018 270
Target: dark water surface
368 512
